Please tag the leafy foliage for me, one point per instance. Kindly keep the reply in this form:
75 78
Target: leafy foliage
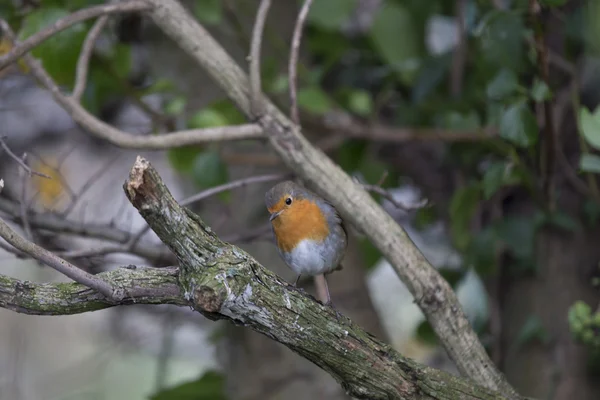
209 386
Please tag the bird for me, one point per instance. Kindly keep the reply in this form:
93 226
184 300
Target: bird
309 232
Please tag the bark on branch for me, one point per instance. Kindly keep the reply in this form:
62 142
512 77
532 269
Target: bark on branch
141 286
432 292
222 281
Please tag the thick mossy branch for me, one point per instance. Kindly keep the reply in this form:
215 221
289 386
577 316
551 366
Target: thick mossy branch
224 282
140 286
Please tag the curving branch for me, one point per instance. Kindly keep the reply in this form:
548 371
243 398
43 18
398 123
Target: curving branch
142 286
68 21
431 291
222 281
121 138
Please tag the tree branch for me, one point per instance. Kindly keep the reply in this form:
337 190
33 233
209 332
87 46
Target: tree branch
255 44
70 20
223 282
142 285
124 139
293 65
84 57
55 262
431 291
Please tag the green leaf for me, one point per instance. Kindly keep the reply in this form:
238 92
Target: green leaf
175 106
182 159
431 74
350 155
206 118
452 275
397 39
370 254
498 175
590 125
462 207
314 100
60 52
331 14
209 12
553 3
518 125
457 121
361 103
558 220
481 253
591 212
518 234
501 43
532 330
210 386
590 163
540 91
504 84
209 170
426 333
161 85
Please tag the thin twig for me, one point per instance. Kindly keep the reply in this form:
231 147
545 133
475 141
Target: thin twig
24 208
55 262
460 52
19 160
388 196
548 160
84 57
294 54
231 185
68 21
255 79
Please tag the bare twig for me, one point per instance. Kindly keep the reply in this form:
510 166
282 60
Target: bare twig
255 79
24 208
68 21
20 161
388 196
85 55
231 185
548 157
55 262
460 53
294 54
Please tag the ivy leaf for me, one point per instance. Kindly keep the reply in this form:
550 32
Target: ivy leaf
532 330
540 91
590 163
360 102
209 12
504 84
501 35
590 125
481 253
426 333
210 386
396 38
462 207
60 52
518 125
209 170
498 175
314 100
331 14
182 159
553 3
518 234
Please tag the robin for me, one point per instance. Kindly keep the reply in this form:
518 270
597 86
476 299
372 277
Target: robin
309 233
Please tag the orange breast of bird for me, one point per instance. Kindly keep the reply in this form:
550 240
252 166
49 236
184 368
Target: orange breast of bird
302 220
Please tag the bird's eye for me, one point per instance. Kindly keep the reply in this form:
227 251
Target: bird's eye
288 201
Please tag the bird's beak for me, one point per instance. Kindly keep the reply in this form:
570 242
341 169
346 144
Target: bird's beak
274 215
